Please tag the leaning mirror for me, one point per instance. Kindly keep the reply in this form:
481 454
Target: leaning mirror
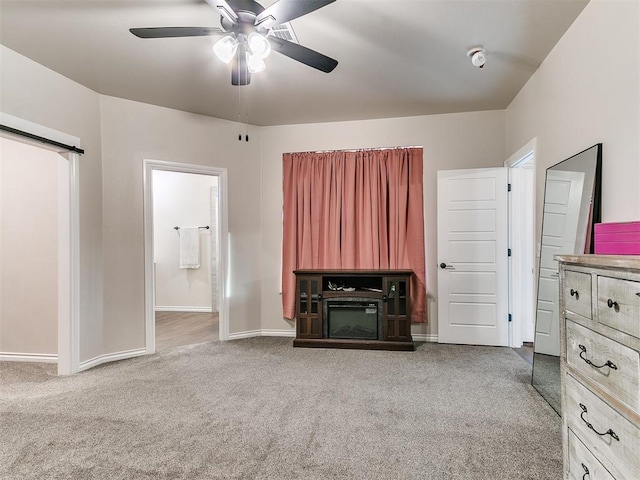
571 207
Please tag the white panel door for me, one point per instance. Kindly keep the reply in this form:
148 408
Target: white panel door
562 199
472 255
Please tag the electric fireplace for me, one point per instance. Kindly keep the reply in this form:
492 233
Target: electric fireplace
352 317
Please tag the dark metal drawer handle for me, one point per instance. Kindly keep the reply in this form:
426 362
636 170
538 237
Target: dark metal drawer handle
608 363
613 304
586 471
608 432
574 293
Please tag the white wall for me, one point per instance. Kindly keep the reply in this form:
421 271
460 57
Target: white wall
588 91
455 141
28 249
34 93
135 131
181 199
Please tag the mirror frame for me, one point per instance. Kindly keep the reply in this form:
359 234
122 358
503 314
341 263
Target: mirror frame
552 393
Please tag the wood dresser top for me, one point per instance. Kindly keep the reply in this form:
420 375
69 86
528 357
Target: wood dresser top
614 261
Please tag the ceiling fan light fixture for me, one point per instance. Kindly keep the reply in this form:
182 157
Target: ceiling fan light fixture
255 62
226 48
259 45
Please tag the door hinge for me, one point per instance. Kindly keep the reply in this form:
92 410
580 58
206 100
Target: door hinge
508 252
510 317
508 187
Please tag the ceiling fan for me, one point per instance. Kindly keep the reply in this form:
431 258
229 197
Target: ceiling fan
245 27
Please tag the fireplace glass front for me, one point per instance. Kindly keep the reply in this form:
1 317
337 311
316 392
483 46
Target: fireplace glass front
353 319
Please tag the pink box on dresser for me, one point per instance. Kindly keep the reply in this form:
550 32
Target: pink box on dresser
617 238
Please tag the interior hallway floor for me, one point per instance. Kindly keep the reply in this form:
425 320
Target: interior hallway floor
175 329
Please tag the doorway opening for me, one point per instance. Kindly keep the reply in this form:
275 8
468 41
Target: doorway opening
522 285
39 247
185 254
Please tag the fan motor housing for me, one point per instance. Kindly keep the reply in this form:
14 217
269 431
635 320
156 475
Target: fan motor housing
247 11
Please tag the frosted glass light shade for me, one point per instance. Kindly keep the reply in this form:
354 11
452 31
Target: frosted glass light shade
255 63
226 48
259 45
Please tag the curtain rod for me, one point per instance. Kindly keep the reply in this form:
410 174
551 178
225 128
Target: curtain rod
361 149
40 139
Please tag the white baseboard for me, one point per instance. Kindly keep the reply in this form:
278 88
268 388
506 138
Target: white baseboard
278 333
262 333
28 357
247 334
424 337
111 357
184 309
418 337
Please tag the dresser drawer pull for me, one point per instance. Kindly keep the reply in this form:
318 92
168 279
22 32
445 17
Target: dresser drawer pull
574 293
586 471
608 363
608 432
613 304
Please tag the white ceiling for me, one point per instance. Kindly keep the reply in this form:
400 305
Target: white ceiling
396 57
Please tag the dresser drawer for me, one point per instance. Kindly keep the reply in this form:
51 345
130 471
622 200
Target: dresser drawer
619 304
583 464
577 293
619 365
617 449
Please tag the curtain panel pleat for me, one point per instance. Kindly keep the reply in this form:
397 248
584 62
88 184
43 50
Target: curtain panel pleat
354 210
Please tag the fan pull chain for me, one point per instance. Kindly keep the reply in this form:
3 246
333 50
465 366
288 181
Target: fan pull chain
246 114
239 117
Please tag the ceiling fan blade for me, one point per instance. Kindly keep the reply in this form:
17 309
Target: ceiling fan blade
225 9
284 10
168 32
303 54
239 69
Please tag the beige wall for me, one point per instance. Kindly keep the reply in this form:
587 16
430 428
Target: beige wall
28 249
184 200
34 93
132 132
588 91
465 140
585 92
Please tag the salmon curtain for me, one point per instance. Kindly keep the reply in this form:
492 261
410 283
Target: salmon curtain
354 209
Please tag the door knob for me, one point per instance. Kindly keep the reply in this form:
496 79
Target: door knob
443 265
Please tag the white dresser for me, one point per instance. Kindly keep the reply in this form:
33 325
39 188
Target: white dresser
600 366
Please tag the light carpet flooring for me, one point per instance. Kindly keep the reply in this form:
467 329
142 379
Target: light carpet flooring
261 409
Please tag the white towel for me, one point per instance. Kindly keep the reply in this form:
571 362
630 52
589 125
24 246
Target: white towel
189 247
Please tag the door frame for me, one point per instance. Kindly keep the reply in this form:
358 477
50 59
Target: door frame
521 212
68 181
223 233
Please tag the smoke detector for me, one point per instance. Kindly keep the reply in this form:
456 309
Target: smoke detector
478 56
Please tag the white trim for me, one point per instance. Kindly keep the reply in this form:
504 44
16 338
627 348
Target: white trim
418 337
40 130
247 334
223 230
521 211
277 333
522 155
69 324
425 337
184 309
111 357
28 357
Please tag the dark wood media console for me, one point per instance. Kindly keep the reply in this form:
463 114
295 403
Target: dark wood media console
367 309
